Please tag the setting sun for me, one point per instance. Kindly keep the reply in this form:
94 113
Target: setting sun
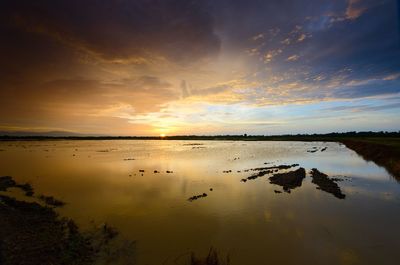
162 135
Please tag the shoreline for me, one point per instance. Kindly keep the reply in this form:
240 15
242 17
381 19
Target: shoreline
382 154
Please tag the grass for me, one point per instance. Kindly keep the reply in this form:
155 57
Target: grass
212 258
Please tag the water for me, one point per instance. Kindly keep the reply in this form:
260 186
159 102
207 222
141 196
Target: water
101 183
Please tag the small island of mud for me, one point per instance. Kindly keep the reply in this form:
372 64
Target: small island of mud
262 171
196 197
289 180
326 184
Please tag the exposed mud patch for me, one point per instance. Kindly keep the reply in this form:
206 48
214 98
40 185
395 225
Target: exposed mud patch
289 180
196 197
262 171
326 184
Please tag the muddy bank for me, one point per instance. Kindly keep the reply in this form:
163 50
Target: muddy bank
383 155
33 234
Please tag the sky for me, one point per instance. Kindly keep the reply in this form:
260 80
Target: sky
175 67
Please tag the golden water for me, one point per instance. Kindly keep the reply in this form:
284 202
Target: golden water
255 225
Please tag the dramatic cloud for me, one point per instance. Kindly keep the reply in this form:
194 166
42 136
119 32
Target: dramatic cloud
120 29
150 66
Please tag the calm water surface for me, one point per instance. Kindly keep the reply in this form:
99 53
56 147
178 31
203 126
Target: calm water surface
101 183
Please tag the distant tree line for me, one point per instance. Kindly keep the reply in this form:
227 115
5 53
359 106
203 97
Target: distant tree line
283 137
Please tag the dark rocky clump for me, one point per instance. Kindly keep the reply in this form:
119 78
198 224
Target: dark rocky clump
227 171
324 149
326 184
289 180
128 159
196 197
277 191
155 171
51 201
141 170
169 171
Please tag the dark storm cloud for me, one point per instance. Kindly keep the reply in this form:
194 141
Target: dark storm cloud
177 29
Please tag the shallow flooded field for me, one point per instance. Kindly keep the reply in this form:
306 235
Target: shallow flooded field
249 200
